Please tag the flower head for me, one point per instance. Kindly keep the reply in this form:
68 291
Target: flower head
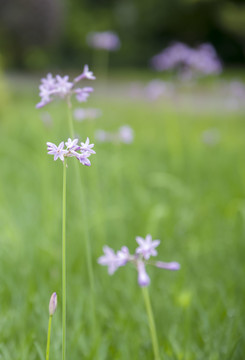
147 246
57 151
86 74
61 88
113 260
140 259
106 40
72 149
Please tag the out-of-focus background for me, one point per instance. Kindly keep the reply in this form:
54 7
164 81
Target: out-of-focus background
167 117
39 34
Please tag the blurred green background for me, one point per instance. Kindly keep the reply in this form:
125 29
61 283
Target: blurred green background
35 34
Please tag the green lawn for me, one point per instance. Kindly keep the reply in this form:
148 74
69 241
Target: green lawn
168 183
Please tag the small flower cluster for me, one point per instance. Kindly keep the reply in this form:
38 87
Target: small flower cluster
60 87
203 60
106 40
125 134
146 249
72 148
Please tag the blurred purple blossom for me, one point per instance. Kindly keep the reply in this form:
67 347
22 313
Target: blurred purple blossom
202 60
81 114
60 87
139 259
125 134
147 246
106 40
72 149
86 74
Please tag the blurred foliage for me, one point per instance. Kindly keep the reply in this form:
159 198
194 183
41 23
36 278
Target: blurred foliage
37 33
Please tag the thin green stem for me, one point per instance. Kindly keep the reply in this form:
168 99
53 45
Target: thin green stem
48 337
85 223
64 264
151 323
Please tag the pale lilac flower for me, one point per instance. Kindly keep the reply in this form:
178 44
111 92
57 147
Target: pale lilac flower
139 259
143 277
147 246
111 259
82 94
125 134
202 60
167 265
72 144
87 147
82 153
86 74
106 40
83 158
81 114
60 87
57 151
63 86
52 304
49 82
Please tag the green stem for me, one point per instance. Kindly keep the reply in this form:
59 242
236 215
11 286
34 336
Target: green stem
48 338
85 223
151 323
64 265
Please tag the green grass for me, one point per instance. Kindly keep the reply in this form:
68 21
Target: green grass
167 183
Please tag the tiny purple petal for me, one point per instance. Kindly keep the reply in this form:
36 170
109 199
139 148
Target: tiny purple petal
143 277
168 266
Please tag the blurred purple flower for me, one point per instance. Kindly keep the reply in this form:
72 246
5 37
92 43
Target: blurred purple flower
202 60
125 134
81 114
139 259
106 40
143 277
86 74
113 260
60 87
147 246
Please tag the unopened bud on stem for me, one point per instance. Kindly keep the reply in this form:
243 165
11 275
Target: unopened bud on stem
52 304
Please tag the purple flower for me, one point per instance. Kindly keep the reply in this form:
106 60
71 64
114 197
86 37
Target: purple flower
126 134
86 74
87 147
106 40
83 158
82 114
202 60
143 278
60 87
58 152
63 86
113 260
139 259
83 94
72 150
147 246
168 266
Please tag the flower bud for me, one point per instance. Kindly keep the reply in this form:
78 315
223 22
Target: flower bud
52 304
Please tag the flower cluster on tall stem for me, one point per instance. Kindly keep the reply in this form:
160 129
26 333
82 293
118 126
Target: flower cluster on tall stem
146 249
60 87
81 152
